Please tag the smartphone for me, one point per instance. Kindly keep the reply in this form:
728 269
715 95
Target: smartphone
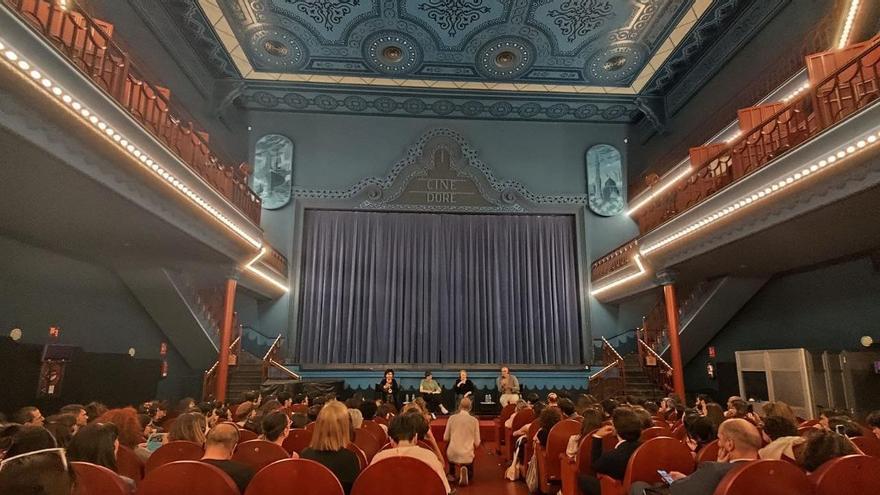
840 429
665 476
155 441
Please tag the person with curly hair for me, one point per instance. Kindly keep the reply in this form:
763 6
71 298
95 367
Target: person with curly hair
126 420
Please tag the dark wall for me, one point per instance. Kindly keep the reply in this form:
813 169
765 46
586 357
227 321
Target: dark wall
827 308
95 310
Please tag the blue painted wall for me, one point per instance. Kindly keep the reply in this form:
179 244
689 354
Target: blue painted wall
95 310
827 308
334 152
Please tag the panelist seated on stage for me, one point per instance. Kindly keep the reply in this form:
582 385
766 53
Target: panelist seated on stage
431 390
464 387
388 390
508 387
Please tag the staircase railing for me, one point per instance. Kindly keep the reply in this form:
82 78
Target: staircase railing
844 92
270 360
655 367
87 45
209 381
611 379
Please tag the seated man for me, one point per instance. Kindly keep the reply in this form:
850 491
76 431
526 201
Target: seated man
738 441
873 421
463 436
404 430
628 428
219 446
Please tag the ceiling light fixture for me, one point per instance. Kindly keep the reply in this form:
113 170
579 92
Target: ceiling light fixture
766 191
638 261
848 24
90 119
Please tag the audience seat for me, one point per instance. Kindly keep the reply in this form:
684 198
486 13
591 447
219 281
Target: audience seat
246 435
362 457
709 452
259 453
847 475
375 429
380 420
300 476
398 476
92 479
174 451
187 478
660 422
297 441
521 419
529 446
549 459
765 477
654 432
657 453
299 408
570 469
679 433
367 442
129 464
500 431
870 445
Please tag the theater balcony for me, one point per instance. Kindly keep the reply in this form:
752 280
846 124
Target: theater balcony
795 185
107 169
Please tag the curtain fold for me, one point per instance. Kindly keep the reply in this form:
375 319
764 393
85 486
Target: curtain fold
382 287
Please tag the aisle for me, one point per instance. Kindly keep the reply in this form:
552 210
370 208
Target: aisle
489 476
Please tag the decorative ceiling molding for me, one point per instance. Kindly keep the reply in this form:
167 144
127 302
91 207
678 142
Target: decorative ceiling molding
309 98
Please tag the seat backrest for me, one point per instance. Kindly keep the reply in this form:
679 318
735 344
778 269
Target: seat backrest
380 420
506 412
398 476
297 440
92 479
174 451
246 435
657 453
767 477
679 433
311 426
302 476
374 428
584 456
847 475
522 418
708 453
187 478
299 408
359 452
258 453
367 442
654 432
660 422
128 464
870 445
557 442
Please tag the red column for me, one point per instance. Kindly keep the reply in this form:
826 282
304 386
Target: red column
674 344
225 340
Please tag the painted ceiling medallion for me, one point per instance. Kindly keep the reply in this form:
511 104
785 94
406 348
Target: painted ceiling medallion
616 63
505 58
277 49
392 52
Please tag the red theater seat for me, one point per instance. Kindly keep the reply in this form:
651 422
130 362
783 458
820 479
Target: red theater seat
362 457
246 435
570 468
129 464
870 445
529 446
375 429
549 459
500 431
92 479
297 441
657 453
300 476
654 432
367 442
174 451
765 477
709 453
398 476
259 453
187 478
847 475
521 419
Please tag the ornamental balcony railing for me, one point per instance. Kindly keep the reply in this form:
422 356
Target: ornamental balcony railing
615 260
275 260
88 45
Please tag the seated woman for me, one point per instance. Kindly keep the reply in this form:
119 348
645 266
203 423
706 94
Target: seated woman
627 427
783 438
388 390
463 387
275 427
431 390
97 443
131 434
189 427
593 418
331 435
823 445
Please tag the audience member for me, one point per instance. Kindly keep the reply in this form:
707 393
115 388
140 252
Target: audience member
127 424
715 414
62 427
185 405
627 426
826 414
219 446
331 435
592 420
608 407
845 426
24 439
95 410
299 420
275 427
357 419
245 412
404 431
97 443
737 408
29 416
463 437
285 399
700 432
873 421
78 411
568 409
783 438
189 427
520 406
644 416
821 446
780 409
547 419
38 472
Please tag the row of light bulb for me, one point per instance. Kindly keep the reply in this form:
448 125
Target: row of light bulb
88 116
848 24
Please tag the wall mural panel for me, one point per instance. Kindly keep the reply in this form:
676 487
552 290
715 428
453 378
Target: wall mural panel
605 180
273 170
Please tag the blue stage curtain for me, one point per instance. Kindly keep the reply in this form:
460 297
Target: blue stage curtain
380 287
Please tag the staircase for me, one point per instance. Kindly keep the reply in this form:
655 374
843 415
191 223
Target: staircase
638 385
245 376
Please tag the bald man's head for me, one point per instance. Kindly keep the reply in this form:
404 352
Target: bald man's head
223 434
741 433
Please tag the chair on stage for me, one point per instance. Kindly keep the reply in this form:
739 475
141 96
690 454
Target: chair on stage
92 479
398 476
368 442
180 450
657 453
187 478
300 476
259 453
709 452
654 432
128 464
869 444
362 457
521 419
549 459
297 440
767 477
500 431
847 475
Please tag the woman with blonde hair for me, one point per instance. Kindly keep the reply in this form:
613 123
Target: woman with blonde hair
331 435
190 427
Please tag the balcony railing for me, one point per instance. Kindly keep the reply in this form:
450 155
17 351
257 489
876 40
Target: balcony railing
850 88
86 44
275 260
615 260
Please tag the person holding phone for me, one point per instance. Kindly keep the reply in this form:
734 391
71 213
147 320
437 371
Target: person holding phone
388 390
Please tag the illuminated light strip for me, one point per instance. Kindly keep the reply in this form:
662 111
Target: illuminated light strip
669 183
61 96
848 24
638 261
803 87
768 190
249 266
